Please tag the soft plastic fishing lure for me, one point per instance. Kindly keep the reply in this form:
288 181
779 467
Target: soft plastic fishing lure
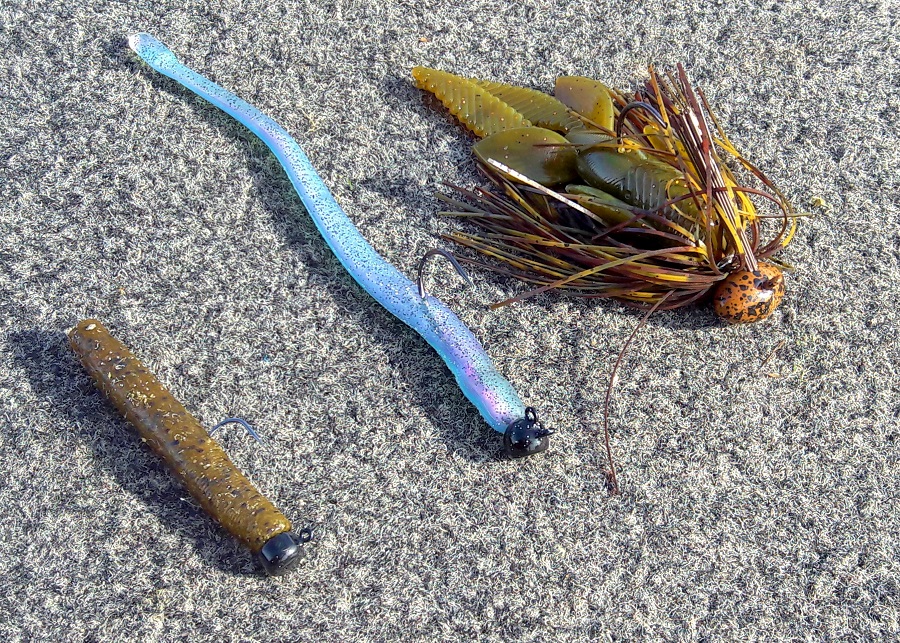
189 451
490 392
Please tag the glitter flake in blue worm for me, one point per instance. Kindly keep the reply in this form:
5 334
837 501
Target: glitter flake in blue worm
490 392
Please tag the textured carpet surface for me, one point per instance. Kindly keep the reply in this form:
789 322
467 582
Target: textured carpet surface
760 465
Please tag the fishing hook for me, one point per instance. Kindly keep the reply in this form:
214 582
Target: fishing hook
638 104
244 424
447 255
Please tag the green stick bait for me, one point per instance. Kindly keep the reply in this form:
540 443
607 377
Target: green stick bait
192 455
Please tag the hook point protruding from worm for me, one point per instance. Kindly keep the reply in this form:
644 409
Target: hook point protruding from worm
447 255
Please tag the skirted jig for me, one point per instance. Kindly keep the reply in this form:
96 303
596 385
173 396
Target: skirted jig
609 196
490 392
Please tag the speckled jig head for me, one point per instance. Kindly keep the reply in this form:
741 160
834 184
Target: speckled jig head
606 195
193 456
493 396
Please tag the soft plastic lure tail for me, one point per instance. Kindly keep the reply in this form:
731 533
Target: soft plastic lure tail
490 392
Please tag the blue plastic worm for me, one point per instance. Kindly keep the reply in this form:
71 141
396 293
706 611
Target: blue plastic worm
490 392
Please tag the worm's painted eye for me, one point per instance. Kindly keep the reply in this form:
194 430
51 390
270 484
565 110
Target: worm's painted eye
746 296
